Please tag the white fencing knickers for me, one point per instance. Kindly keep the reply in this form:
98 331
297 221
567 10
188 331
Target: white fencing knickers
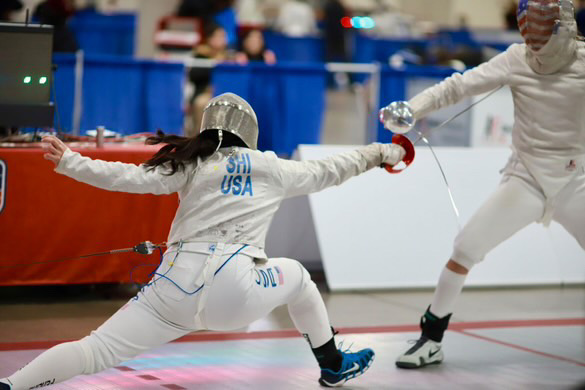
239 292
518 202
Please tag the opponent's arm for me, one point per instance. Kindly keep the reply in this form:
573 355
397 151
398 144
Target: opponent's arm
305 177
112 176
481 79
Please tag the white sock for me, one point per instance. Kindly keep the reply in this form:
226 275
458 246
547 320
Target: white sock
447 291
55 365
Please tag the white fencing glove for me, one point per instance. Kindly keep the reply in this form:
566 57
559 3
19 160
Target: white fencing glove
377 154
392 154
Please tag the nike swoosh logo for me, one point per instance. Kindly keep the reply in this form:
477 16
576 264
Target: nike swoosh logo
433 353
354 368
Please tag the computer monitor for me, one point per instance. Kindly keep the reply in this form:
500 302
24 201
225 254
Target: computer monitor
25 75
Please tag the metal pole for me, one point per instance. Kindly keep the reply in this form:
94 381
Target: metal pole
78 94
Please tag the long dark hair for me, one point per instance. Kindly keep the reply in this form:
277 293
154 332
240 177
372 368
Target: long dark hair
179 151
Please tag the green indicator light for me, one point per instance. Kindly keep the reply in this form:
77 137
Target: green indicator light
27 79
42 80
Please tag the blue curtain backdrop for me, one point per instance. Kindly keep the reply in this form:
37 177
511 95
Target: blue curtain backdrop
131 96
368 50
112 34
63 90
125 95
289 100
308 49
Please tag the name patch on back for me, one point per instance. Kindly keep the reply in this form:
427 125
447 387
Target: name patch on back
238 181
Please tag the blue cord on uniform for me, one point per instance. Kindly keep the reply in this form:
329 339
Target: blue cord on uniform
163 276
238 251
146 265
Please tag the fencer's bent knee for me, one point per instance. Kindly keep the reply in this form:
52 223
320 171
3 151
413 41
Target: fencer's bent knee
467 252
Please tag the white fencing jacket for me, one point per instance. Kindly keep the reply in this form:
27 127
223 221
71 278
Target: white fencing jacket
232 196
549 128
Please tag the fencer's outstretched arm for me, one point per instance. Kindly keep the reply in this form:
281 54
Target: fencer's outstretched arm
481 79
117 176
305 177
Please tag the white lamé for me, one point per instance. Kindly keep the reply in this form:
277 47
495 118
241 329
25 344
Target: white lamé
549 128
205 213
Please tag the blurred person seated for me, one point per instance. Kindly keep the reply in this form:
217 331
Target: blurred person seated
296 18
253 49
581 17
7 7
214 47
56 13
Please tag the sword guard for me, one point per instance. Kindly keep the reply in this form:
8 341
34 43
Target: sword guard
401 140
145 248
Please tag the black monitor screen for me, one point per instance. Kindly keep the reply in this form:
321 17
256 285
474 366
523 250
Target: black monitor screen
25 64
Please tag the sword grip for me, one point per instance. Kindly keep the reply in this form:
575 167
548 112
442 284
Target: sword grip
408 146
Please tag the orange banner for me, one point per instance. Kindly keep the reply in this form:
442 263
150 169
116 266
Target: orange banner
45 216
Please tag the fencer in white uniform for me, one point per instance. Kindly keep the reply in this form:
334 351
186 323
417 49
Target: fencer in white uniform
215 274
544 179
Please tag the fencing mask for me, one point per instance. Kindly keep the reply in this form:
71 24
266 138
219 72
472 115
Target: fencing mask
229 112
549 30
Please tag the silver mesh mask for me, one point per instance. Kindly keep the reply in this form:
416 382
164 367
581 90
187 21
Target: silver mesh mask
229 112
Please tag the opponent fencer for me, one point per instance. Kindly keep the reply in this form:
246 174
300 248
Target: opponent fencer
215 274
544 179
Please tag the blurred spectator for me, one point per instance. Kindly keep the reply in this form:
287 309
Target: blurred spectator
581 17
335 39
335 33
296 18
253 48
510 16
390 21
249 12
218 11
196 8
56 13
214 48
226 18
270 11
7 7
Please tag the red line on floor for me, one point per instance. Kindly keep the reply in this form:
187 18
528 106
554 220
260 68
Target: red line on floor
24 345
521 348
288 333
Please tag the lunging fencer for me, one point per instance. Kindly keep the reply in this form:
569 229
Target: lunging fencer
544 179
215 274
